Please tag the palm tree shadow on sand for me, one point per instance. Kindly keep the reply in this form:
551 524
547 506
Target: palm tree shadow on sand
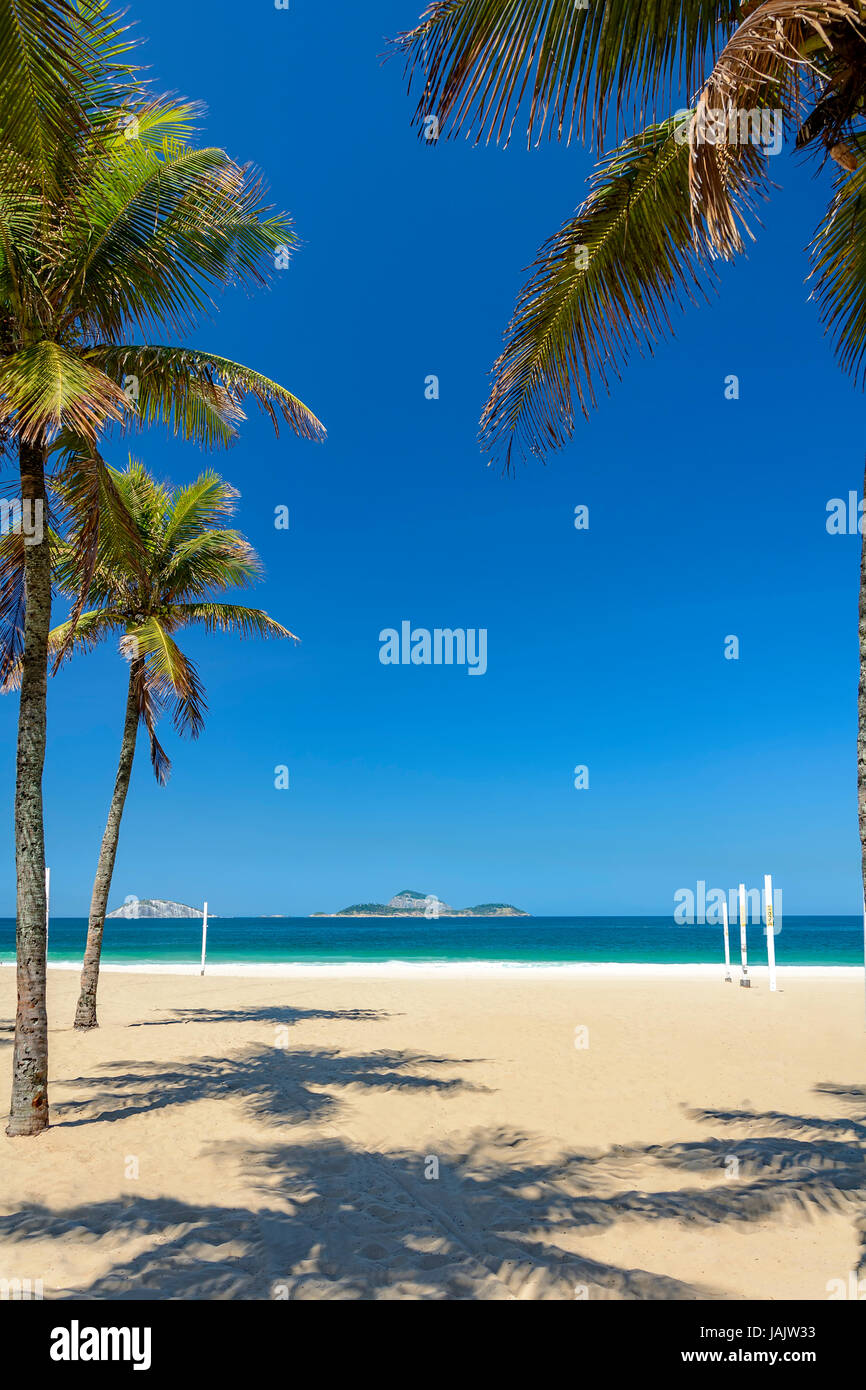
273 1084
337 1222
278 1015
488 1217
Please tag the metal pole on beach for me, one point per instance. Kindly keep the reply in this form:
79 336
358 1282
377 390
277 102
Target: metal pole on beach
203 937
771 934
728 979
47 899
744 979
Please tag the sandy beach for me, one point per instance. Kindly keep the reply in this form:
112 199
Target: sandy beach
587 1135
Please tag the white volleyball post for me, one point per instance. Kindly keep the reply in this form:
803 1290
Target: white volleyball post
47 899
744 979
728 979
203 937
771 934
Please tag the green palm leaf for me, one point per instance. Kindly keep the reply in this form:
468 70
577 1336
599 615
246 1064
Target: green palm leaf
230 617
838 255
46 387
201 395
215 557
601 288
168 224
100 528
150 710
83 634
203 503
169 674
44 52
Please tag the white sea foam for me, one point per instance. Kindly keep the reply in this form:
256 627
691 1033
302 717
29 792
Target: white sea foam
464 969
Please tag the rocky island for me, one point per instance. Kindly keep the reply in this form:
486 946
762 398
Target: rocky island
154 907
412 904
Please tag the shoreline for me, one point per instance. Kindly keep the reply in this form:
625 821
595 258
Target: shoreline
400 969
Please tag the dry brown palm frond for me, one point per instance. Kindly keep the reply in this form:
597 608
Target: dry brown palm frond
12 544
568 68
776 57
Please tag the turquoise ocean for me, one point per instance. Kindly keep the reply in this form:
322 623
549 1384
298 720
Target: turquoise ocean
366 940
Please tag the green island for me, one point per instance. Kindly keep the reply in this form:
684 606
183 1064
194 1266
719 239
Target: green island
410 903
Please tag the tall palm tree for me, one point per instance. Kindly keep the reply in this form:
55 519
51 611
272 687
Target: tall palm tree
191 558
112 224
671 197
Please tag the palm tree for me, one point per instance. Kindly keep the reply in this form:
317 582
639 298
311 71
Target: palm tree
112 223
667 200
191 558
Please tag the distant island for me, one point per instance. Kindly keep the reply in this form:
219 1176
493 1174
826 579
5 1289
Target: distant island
412 904
155 907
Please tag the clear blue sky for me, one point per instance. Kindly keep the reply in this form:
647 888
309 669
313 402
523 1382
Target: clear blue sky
605 647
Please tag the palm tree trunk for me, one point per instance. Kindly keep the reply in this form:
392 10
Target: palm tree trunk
85 1013
29 1109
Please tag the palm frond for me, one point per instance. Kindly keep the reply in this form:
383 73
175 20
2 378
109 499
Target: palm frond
101 530
163 226
63 66
12 544
150 709
600 288
147 501
762 73
480 61
169 675
109 78
46 388
197 506
199 394
87 632
22 243
44 52
838 257
212 559
230 617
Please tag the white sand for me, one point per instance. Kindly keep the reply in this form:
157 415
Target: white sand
269 1137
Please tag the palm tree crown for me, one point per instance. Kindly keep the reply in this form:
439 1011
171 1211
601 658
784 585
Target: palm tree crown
192 557
112 222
